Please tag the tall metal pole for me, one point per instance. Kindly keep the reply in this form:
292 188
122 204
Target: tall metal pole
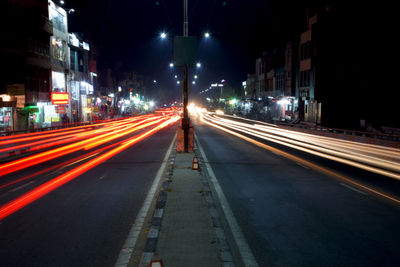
185 18
185 121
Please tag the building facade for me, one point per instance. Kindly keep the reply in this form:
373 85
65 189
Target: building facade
25 63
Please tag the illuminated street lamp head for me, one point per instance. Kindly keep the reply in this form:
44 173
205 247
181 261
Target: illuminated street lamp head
195 76
171 65
62 2
178 82
176 76
198 64
163 35
207 35
193 82
154 81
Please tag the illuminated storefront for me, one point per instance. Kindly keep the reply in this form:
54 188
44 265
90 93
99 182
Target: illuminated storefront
6 119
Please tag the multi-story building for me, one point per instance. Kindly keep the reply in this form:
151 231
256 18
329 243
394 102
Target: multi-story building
80 78
53 113
309 108
251 92
331 76
260 77
25 63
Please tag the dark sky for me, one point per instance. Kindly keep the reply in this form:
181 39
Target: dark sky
127 31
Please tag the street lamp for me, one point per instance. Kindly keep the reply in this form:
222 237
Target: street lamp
154 81
198 64
176 76
171 65
195 76
163 35
193 82
178 82
207 35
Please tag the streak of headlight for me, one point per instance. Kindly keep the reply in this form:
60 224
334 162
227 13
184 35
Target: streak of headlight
345 161
351 156
245 119
51 185
57 152
376 149
303 162
345 144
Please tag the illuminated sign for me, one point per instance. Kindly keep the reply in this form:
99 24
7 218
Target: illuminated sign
61 109
60 98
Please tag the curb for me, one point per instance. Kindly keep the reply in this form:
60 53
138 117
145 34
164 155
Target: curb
225 252
152 237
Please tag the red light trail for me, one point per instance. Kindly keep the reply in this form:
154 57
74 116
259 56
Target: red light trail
112 131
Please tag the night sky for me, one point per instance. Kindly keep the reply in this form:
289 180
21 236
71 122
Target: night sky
127 33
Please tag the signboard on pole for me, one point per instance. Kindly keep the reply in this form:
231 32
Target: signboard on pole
185 51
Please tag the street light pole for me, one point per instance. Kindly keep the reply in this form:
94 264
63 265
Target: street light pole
185 18
185 120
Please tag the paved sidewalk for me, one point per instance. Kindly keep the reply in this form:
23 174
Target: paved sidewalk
187 236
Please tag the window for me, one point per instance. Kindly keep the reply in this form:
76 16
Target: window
304 78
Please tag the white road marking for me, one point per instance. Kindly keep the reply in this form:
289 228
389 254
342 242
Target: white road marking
130 242
102 177
305 167
352 188
20 187
244 249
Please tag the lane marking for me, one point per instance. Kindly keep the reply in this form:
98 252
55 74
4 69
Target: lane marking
130 242
245 252
102 177
20 187
352 188
305 167
79 160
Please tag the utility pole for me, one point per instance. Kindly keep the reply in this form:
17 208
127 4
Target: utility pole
185 120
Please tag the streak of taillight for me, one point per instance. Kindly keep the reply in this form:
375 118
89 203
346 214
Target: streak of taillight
43 134
53 184
51 154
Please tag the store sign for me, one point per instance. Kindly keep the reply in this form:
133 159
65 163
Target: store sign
61 109
60 98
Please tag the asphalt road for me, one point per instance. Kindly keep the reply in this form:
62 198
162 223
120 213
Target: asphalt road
86 221
292 215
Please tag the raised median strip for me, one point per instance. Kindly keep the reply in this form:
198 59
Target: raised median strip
185 229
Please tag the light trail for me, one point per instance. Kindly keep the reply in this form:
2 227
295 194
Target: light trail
303 162
55 183
377 159
61 137
19 164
